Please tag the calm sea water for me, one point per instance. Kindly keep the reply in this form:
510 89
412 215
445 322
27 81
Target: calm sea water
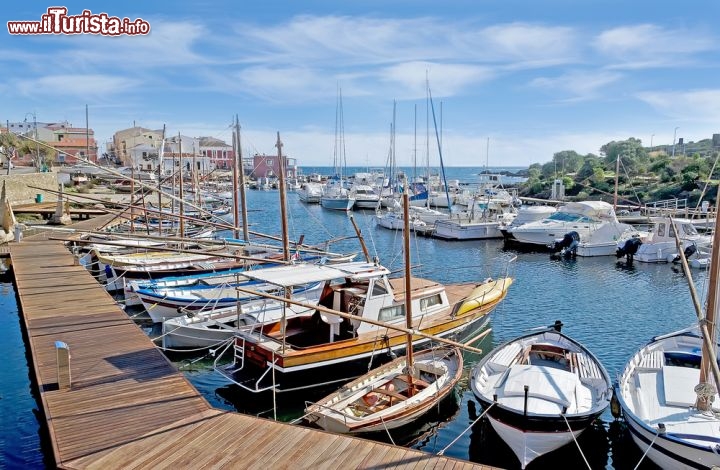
611 308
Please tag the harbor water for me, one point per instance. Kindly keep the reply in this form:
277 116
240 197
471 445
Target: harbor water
610 307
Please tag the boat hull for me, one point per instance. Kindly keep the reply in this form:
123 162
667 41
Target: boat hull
452 230
337 204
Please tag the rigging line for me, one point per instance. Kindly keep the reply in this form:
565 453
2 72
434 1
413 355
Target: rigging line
633 187
576 442
368 220
442 452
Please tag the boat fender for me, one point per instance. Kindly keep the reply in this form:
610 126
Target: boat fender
615 407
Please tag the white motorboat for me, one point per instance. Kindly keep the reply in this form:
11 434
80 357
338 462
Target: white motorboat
583 218
482 221
659 245
365 196
541 391
310 193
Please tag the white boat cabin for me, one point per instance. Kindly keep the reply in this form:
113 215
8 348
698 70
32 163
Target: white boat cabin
360 289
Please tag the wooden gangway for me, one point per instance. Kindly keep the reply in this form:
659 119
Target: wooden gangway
129 407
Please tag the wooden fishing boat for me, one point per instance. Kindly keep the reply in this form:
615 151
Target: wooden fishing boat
541 391
391 395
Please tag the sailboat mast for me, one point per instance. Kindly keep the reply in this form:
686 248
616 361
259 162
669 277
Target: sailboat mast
408 286
283 211
442 165
161 157
415 149
709 356
241 170
617 173
236 207
182 194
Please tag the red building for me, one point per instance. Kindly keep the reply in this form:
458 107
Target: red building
268 166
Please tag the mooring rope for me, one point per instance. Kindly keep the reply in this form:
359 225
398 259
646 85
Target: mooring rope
576 442
442 452
648 449
387 430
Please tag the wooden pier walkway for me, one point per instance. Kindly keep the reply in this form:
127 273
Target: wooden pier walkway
129 407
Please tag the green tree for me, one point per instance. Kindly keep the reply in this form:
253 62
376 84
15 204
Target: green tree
632 154
568 161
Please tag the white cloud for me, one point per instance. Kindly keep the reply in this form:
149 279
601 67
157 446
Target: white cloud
525 42
580 85
692 105
648 45
92 85
445 79
342 40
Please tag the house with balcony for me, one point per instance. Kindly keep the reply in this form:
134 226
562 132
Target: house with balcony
221 155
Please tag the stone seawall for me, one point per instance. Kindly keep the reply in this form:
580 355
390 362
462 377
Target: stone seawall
18 190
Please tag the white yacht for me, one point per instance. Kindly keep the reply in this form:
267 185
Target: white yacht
584 218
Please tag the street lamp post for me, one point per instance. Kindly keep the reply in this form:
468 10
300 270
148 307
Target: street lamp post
674 135
35 137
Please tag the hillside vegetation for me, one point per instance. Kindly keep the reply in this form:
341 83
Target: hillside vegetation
645 174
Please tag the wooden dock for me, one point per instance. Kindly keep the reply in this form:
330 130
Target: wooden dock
128 407
47 209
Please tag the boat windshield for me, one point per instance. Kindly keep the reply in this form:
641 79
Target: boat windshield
568 217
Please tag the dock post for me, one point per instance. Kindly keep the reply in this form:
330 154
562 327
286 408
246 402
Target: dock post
63 365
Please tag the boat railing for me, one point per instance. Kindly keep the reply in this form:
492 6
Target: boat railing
673 207
239 355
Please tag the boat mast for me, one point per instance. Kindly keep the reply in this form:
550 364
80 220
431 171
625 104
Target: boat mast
708 358
415 149
283 209
442 165
408 291
161 152
617 172
241 174
182 194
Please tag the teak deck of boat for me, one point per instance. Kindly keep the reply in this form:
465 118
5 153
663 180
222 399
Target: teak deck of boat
128 407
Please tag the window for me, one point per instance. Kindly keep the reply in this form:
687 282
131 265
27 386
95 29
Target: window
379 288
392 313
431 301
269 162
661 230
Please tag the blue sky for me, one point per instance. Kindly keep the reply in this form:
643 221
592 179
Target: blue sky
533 77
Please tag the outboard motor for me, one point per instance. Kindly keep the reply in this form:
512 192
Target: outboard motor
688 251
629 248
567 246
